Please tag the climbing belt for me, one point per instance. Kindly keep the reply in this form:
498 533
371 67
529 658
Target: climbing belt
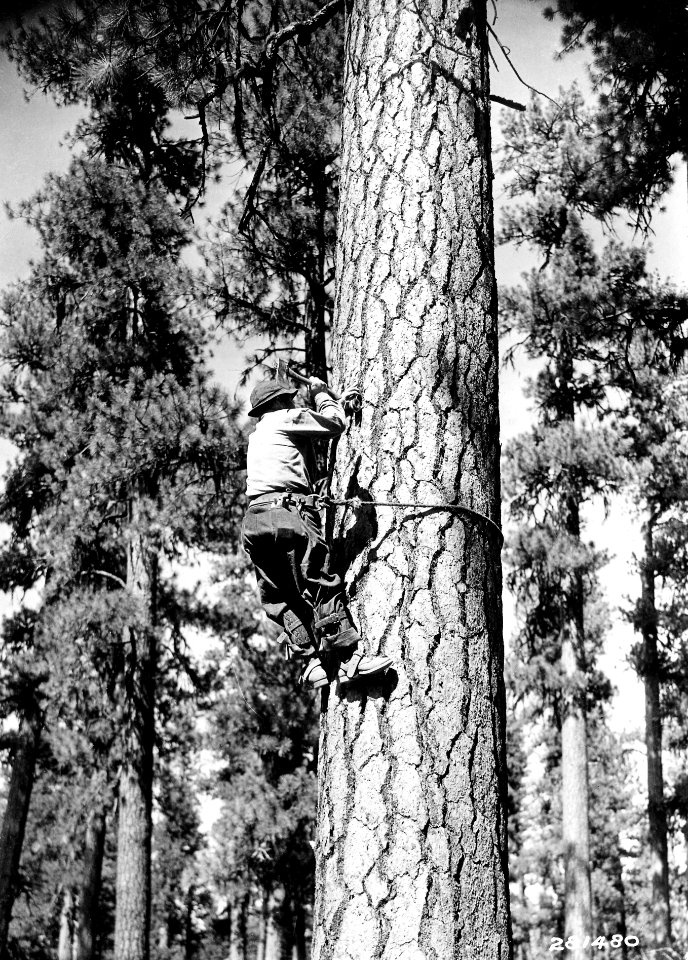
327 501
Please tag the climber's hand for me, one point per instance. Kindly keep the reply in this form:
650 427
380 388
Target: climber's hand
351 400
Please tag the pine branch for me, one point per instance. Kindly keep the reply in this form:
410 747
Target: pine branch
301 31
249 205
110 576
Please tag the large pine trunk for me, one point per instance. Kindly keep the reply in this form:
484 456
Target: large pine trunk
411 844
657 833
134 828
89 894
16 812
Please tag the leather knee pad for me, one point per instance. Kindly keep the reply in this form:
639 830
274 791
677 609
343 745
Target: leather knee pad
336 631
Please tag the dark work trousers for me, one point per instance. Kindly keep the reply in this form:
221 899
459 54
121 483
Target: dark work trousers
291 560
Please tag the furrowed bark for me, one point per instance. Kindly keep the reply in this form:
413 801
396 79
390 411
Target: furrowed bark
16 812
134 830
411 845
657 833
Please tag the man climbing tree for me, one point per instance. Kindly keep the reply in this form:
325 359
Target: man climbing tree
282 533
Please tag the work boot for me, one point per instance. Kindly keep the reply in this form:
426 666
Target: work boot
360 666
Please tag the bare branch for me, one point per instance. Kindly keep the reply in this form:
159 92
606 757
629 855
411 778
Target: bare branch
249 205
110 576
518 75
507 103
302 30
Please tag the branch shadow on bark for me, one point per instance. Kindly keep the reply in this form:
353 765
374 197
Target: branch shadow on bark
347 547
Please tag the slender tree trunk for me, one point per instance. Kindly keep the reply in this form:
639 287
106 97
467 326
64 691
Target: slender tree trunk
272 938
684 913
189 949
243 926
620 887
239 935
233 936
16 812
575 804
264 924
300 931
66 935
316 335
657 834
411 846
286 951
133 879
87 911
574 726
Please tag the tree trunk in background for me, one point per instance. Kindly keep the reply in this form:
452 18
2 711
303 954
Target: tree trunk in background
189 948
16 812
286 921
233 933
620 887
685 875
411 846
242 931
575 804
574 726
261 952
300 931
657 833
66 936
87 911
272 941
238 949
133 880
316 300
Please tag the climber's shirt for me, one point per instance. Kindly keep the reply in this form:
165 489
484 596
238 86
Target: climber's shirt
280 448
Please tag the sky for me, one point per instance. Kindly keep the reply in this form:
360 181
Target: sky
33 144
